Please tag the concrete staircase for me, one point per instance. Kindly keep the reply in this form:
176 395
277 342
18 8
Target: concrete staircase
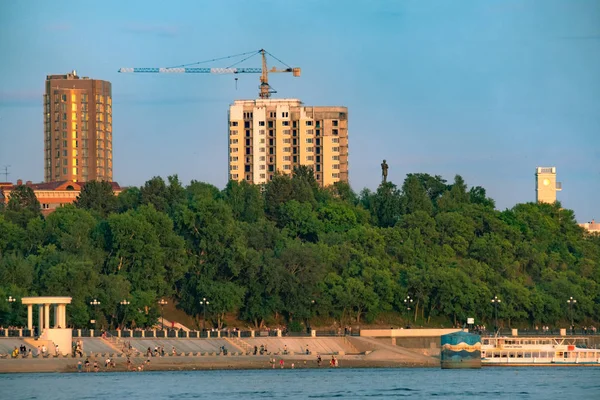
240 345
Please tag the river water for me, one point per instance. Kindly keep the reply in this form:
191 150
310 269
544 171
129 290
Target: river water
416 383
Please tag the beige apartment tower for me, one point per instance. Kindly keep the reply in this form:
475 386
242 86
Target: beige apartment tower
77 129
270 135
546 185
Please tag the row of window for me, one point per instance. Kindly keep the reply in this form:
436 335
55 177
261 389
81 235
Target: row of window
334 175
270 124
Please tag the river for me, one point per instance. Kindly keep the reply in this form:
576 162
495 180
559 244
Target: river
416 383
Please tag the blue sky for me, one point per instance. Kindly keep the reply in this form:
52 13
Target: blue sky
485 89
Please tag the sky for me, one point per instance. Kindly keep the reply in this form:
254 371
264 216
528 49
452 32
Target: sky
488 89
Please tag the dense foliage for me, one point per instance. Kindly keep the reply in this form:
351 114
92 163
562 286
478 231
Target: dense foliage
291 251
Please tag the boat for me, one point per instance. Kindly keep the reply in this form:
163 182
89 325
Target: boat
538 351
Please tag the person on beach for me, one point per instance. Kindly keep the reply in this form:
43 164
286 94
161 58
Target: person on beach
318 360
79 366
87 365
174 352
281 363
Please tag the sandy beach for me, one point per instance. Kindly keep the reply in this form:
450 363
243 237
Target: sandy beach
190 363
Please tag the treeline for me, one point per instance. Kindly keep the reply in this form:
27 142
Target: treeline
291 251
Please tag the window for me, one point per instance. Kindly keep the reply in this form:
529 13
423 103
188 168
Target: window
64 143
310 158
272 115
309 140
285 123
310 149
310 131
308 123
262 141
286 158
64 171
334 132
64 153
232 133
270 124
261 123
286 131
335 140
74 107
246 124
234 176
262 150
335 158
335 149
286 167
63 98
262 166
233 123
64 116
233 141
233 167
285 114
261 158
233 150
334 122
336 166
287 149
262 176
287 140
64 135
335 175
261 132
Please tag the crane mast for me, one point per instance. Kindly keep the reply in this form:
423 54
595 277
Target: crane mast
265 90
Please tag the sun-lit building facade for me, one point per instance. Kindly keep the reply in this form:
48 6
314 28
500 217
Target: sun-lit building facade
546 185
77 129
267 136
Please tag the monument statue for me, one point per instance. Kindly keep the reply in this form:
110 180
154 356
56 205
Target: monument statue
384 171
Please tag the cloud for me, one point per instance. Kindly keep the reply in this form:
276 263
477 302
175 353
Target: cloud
580 37
58 27
161 30
22 98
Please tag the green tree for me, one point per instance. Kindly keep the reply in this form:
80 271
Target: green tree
97 196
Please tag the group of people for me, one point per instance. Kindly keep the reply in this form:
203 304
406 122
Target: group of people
263 350
23 351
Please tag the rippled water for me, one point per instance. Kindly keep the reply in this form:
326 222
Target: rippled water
526 383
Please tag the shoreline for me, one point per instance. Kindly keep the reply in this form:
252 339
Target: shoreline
186 363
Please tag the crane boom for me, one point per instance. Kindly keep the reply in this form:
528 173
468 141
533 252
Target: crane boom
265 88
178 70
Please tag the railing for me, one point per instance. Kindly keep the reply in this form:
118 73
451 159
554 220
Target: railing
182 334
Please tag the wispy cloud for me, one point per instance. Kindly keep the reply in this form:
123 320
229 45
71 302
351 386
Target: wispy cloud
58 27
162 30
22 98
580 37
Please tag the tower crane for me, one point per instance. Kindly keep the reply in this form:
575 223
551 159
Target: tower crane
265 89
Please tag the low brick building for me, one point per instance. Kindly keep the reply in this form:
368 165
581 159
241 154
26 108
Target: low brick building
51 195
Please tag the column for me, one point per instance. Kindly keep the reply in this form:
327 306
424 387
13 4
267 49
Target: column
56 320
46 316
40 319
63 315
30 317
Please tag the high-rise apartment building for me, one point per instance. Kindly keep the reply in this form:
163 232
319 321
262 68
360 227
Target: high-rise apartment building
77 129
546 185
270 135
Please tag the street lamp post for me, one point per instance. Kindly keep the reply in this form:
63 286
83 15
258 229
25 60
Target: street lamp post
124 303
407 305
10 301
95 303
570 302
204 303
162 303
496 301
